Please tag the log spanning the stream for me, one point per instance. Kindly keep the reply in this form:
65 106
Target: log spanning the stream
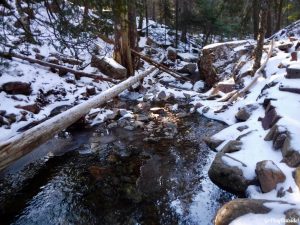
77 73
21 144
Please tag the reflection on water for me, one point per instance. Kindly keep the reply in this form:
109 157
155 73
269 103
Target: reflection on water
116 178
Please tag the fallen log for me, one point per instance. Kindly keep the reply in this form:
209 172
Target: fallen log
161 67
10 55
21 144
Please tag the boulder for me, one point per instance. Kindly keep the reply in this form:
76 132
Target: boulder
292 216
229 178
293 72
269 175
215 58
171 54
239 207
244 113
232 146
17 88
189 68
162 96
59 109
109 67
291 156
212 143
270 119
297 176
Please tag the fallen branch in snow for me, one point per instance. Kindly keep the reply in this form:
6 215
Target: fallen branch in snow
10 55
21 144
161 67
257 75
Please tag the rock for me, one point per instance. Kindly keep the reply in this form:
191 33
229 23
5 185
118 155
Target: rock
59 109
138 124
189 68
171 54
2 112
229 178
240 207
297 176
162 96
205 109
53 60
17 88
109 67
293 72
142 118
232 146
91 90
112 125
291 156
292 216
294 56
217 57
212 143
182 114
39 56
129 127
188 57
3 121
244 113
123 112
242 128
279 141
98 172
285 46
34 108
269 175
70 80
226 88
270 119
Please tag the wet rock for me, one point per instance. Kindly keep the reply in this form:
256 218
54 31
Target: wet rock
242 128
34 108
17 88
212 143
59 109
189 68
240 207
269 175
98 172
229 178
292 216
171 53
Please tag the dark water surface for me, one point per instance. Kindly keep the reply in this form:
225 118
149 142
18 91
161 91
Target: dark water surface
101 176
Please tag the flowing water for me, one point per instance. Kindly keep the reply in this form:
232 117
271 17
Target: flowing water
100 176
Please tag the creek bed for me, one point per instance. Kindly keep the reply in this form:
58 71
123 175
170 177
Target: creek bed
101 176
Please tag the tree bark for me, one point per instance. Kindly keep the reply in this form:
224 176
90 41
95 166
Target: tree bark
122 53
255 18
176 21
21 144
279 16
261 35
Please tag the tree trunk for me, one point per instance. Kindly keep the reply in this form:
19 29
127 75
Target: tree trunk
184 22
21 144
279 16
261 35
269 29
176 21
122 52
255 18
146 17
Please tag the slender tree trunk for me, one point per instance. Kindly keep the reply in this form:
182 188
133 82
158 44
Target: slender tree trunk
176 21
269 29
184 22
261 34
153 11
122 53
279 16
147 17
255 17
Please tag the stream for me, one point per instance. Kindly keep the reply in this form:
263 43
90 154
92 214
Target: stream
116 176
